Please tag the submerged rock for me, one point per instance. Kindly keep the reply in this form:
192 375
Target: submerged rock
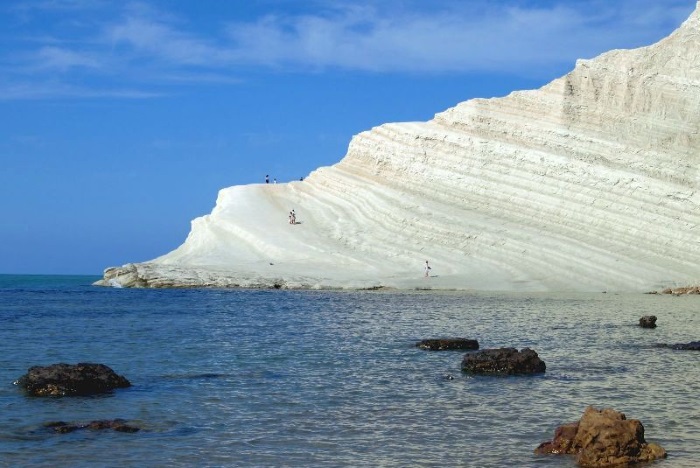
692 346
69 379
648 321
603 438
503 361
448 344
119 425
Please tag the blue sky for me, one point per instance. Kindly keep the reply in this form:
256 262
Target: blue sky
121 120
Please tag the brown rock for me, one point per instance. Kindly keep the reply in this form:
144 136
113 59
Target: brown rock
603 438
682 290
563 441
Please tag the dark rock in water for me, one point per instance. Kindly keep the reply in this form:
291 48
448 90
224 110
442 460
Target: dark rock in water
692 346
61 427
603 438
448 344
503 361
118 425
69 379
648 321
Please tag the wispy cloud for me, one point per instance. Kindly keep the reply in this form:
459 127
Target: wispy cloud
459 37
63 59
162 42
55 90
94 44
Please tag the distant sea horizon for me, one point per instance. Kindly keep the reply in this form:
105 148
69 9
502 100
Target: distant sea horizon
47 278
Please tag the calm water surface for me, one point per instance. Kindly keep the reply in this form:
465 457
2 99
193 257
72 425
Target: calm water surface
280 378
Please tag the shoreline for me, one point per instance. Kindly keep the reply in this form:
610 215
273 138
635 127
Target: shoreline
157 276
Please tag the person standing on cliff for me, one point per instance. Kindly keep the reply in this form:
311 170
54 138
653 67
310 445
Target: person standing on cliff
427 269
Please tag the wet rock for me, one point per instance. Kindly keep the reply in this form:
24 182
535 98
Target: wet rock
563 442
648 321
61 427
119 425
70 380
503 361
448 344
603 438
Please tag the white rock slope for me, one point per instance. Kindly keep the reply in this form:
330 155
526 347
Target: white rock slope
589 183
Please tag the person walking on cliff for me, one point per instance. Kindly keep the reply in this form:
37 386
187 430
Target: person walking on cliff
427 269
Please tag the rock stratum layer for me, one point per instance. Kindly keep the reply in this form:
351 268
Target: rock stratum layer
589 183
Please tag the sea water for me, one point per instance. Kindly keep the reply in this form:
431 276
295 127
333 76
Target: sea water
310 378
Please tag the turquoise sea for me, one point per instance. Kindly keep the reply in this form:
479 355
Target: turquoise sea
307 378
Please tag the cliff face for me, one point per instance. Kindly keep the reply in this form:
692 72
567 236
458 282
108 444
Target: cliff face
589 183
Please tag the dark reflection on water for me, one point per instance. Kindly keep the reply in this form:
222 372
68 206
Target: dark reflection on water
271 378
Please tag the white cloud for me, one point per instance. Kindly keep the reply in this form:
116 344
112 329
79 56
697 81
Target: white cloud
54 90
161 42
144 48
63 59
460 38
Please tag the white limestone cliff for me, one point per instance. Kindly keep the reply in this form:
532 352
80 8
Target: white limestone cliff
589 183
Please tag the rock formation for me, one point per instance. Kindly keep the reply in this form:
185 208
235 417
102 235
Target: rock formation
678 291
69 380
589 183
647 321
603 438
503 361
118 425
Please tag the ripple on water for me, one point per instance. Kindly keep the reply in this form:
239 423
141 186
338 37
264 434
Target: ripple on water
269 378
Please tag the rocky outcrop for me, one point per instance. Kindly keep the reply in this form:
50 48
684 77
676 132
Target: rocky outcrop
678 291
118 425
503 361
448 344
71 380
648 321
588 183
603 438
